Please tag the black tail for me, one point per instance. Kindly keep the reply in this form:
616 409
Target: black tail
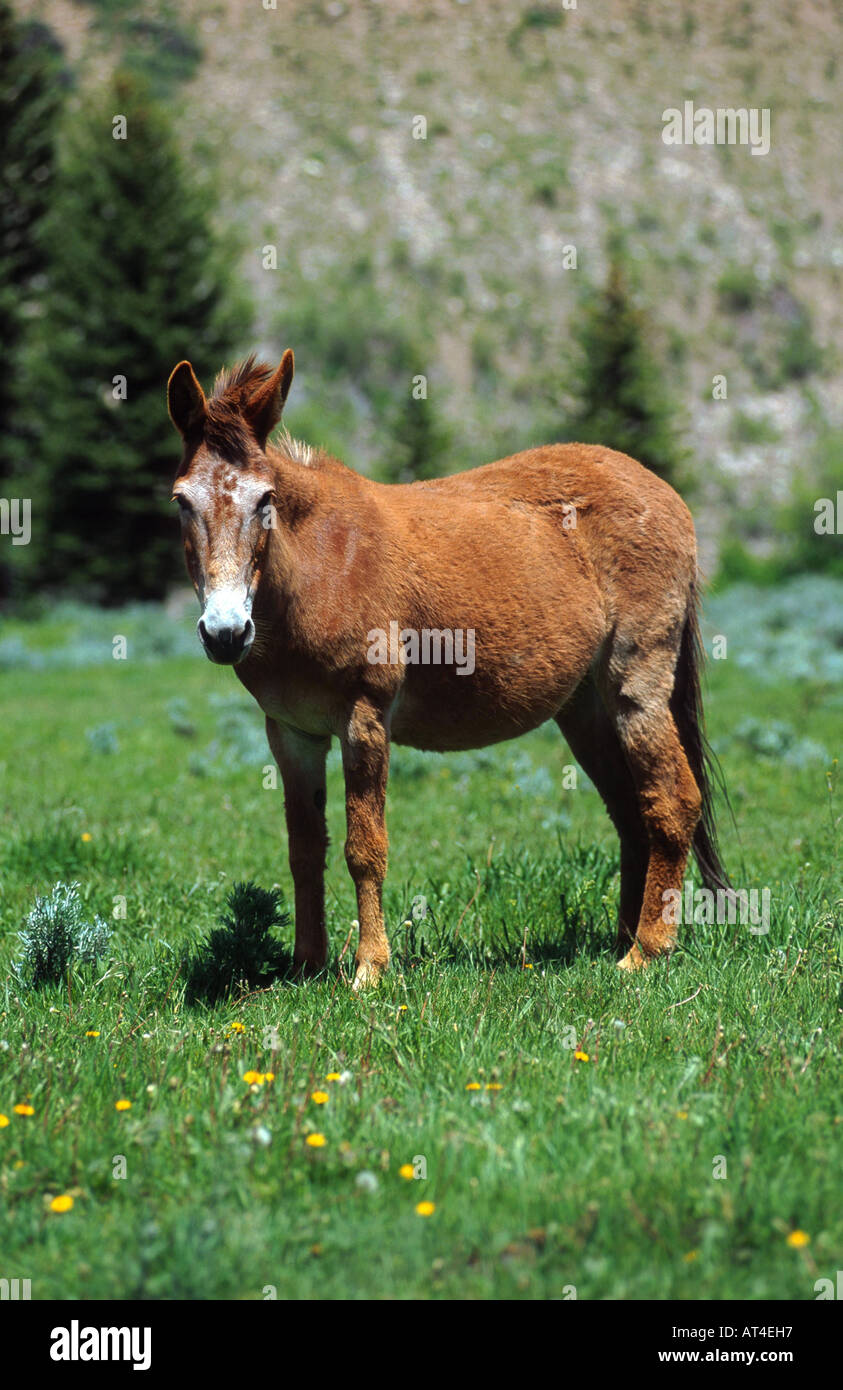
687 709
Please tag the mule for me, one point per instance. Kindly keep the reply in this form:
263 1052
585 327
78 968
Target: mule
575 570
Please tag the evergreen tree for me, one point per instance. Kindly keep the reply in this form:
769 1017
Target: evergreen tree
418 444
31 84
621 401
135 283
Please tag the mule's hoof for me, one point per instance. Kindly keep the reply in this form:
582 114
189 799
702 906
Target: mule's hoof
633 960
367 977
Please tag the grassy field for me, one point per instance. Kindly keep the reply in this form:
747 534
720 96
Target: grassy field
573 1122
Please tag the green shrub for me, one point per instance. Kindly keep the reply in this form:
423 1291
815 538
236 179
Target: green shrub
738 289
799 355
805 548
242 953
752 429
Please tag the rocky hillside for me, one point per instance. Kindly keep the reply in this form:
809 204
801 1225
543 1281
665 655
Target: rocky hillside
423 168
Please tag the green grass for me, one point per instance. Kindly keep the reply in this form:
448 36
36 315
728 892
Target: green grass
596 1175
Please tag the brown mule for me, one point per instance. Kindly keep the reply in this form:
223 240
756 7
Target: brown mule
558 584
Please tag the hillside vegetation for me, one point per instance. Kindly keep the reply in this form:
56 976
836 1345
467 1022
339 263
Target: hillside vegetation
446 256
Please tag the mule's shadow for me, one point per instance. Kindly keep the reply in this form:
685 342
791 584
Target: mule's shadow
242 956
577 936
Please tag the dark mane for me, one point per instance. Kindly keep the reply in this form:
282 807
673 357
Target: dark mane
225 429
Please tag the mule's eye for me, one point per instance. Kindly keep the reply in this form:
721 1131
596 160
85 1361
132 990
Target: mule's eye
184 505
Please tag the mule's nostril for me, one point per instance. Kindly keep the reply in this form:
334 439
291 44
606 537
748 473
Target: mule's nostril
226 644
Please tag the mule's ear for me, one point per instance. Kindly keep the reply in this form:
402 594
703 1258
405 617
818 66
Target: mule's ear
185 400
263 411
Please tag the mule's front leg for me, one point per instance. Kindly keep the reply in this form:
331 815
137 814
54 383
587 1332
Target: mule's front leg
301 759
365 754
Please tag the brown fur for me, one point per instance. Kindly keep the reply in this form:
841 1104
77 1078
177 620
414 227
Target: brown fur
581 623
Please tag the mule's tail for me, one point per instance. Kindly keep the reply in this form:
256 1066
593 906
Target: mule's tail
687 709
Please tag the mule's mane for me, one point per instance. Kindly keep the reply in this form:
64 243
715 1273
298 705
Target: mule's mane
226 430
236 384
295 449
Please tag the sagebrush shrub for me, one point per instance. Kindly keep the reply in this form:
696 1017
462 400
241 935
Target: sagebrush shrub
57 935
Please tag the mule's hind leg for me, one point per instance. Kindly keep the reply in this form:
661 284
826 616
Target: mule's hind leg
365 755
595 744
639 686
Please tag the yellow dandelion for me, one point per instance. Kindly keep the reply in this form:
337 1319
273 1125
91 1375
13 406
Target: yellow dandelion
23 1110
92 1033
406 1171
237 1028
122 1105
63 1203
580 1056
253 1078
402 1008
332 1076
86 836
316 1141
473 1086
425 1208
320 1097
493 1085
798 1239
681 1114
18 1164
4 1120
269 1076
528 965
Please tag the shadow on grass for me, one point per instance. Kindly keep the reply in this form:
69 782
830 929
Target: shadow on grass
575 939
568 897
242 955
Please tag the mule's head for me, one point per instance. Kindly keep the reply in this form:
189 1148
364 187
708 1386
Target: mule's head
225 491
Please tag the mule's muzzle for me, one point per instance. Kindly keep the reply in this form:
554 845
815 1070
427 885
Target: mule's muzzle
226 645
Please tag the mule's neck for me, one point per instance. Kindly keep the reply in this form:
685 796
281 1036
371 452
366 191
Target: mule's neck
311 498
297 487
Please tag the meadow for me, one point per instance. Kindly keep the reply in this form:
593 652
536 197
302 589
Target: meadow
583 1133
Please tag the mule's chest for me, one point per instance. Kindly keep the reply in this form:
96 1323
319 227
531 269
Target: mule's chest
293 699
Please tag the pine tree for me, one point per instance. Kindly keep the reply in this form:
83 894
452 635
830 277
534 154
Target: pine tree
135 283
621 401
32 80
418 444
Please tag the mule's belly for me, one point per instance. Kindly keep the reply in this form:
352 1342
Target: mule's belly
510 680
413 725
439 710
